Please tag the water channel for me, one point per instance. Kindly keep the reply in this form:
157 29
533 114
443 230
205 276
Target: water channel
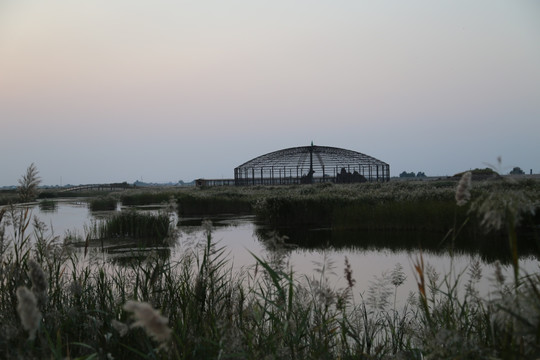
370 254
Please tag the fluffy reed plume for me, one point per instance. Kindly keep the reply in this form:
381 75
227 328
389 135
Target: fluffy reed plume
498 209
148 318
463 194
39 281
28 311
120 327
398 277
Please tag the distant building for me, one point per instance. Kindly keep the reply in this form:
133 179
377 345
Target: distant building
311 164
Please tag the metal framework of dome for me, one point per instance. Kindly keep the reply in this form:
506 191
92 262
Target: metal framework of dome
311 164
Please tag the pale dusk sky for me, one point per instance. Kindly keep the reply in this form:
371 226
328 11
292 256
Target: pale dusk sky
105 91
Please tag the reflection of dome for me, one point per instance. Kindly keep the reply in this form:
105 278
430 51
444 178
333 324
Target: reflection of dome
311 164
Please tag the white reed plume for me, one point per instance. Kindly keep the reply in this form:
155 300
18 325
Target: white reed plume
39 281
150 319
120 327
463 193
28 311
397 276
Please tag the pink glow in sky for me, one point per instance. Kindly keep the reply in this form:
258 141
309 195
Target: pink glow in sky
105 91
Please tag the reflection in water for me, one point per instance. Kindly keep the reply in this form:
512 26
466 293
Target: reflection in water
369 253
131 256
489 248
216 221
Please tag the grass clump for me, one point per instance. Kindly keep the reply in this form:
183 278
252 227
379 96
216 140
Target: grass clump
103 204
133 224
48 205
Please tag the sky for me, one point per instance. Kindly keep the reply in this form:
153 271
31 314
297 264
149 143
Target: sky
114 90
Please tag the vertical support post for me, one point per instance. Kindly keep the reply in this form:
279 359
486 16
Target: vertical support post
310 174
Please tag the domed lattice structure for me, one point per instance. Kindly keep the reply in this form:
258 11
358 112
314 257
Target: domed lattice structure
311 164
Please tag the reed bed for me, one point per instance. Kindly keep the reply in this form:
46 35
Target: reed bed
151 197
48 205
428 205
210 203
103 204
8 197
132 224
55 303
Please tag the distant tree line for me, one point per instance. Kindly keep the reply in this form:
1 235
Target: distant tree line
517 171
411 174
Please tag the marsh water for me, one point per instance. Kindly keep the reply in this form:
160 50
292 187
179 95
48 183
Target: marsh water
309 250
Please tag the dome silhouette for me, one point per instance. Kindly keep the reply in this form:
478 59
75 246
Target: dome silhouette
311 164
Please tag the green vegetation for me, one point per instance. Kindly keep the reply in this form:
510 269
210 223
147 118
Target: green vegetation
48 205
433 215
55 305
209 203
134 225
403 215
411 174
8 197
103 204
26 191
48 194
152 197
28 184
428 205
481 174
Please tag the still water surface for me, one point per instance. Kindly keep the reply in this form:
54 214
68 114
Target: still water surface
242 237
